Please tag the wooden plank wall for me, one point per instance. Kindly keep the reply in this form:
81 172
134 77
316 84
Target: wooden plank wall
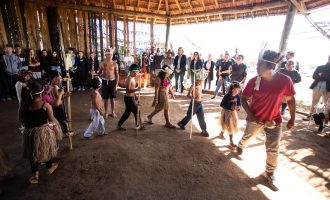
33 26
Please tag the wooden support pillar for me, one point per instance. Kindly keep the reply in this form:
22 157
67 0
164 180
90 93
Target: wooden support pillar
116 34
125 34
168 26
107 30
152 22
127 29
134 39
101 35
112 35
87 32
53 27
95 33
3 36
292 10
73 28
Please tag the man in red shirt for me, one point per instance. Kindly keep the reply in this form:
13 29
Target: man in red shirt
262 99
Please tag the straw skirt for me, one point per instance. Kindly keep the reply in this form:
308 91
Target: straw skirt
229 121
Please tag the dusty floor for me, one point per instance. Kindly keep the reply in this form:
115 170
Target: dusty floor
161 163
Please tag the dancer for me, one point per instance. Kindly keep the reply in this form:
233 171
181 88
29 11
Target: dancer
230 104
110 79
162 87
96 110
197 109
261 99
130 99
41 131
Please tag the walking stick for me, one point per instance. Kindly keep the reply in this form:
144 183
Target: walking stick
192 102
138 111
67 79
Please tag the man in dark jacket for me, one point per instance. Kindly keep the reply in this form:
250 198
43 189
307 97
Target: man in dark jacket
180 62
320 86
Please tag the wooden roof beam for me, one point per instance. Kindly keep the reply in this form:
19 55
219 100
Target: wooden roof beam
216 3
203 3
191 7
160 2
178 4
149 5
167 8
299 6
243 9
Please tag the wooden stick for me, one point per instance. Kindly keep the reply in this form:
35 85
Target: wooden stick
138 111
192 104
67 79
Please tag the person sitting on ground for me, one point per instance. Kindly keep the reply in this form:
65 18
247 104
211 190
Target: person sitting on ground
197 107
162 87
295 76
40 130
230 104
96 110
130 99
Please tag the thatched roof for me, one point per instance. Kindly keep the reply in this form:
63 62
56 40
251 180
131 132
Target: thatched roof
186 11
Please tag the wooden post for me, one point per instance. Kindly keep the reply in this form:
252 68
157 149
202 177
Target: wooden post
87 31
292 10
107 30
168 26
101 35
3 36
152 42
125 33
44 28
95 34
20 24
134 39
112 35
116 34
73 29
127 30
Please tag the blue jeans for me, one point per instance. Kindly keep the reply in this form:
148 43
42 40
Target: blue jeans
222 82
199 111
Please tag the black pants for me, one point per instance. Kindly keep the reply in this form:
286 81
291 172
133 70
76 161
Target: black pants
130 107
11 81
35 165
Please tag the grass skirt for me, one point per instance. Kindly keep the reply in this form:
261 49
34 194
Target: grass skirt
4 163
39 143
229 121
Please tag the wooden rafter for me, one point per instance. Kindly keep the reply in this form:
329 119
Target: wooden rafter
149 5
178 5
160 2
138 5
167 8
203 3
216 3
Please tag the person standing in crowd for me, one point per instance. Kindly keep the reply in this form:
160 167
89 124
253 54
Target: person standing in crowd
162 87
197 109
96 111
209 68
238 73
93 67
56 63
230 104
156 65
130 99
11 64
224 71
145 69
191 57
22 81
110 79
24 59
34 65
81 65
116 57
290 56
320 86
128 61
261 99
195 66
40 131
291 72
180 62
44 62
169 60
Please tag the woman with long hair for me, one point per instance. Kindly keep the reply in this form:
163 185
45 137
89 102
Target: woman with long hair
195 65
34 65
162 87
41 130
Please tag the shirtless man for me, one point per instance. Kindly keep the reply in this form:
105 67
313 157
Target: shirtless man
198 109
110 79
130 98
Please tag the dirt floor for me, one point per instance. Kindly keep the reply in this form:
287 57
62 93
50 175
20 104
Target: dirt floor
161 163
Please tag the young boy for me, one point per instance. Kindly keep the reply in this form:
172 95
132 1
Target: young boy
130 98
198 108
96 110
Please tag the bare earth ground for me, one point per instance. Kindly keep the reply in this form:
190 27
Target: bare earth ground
161 163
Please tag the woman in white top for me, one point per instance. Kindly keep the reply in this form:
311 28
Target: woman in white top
23 77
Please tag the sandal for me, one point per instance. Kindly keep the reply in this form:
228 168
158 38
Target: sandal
52 168
148 121
169 126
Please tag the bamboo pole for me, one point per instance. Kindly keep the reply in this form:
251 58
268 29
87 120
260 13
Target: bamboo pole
95 33
138 111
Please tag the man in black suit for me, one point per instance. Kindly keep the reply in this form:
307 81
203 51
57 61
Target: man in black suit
180 62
